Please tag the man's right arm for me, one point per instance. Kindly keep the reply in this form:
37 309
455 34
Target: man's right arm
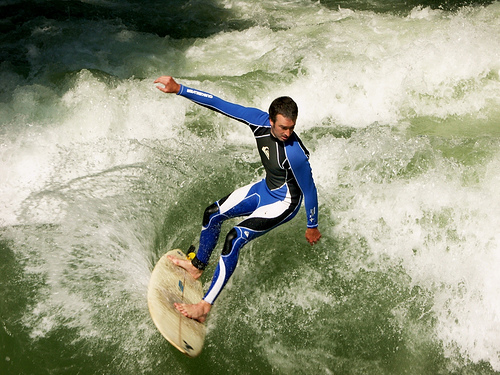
170 86
247 115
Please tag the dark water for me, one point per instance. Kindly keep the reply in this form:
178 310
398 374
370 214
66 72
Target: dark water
101 174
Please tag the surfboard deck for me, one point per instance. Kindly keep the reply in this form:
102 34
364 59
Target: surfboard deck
170 284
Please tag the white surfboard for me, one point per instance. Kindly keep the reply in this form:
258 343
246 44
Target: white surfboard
169 284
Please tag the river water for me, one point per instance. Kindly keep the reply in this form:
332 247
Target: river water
101 173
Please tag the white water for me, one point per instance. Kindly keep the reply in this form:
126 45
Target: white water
400 113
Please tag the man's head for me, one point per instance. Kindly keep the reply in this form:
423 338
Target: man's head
284 106
283 113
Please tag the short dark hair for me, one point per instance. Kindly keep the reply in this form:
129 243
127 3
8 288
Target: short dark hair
284 106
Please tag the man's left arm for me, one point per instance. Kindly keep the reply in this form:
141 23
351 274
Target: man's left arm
303 174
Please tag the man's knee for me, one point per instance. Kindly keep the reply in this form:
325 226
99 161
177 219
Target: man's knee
209 211
228 245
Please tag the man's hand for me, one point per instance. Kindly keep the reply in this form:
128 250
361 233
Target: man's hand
171 87
312 235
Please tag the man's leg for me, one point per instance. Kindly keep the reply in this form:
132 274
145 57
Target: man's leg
235 240
261 221
208 238
267 212
241 202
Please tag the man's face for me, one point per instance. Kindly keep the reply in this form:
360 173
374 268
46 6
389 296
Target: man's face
282 129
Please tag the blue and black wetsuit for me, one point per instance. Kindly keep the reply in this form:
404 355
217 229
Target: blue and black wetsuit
267 203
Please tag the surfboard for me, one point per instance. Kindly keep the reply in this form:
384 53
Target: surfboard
170 284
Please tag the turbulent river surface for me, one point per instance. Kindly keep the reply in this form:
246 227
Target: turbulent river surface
101 174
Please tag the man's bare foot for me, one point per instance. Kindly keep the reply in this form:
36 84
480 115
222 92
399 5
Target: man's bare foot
198 311
187 265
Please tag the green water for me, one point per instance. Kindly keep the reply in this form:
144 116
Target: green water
101 174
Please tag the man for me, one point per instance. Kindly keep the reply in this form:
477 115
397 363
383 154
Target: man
267 203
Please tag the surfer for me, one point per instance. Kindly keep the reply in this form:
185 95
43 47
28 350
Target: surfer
266 204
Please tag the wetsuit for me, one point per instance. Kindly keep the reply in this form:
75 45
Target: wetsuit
267 203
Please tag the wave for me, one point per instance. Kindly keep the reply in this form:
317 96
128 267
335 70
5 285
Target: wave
101 174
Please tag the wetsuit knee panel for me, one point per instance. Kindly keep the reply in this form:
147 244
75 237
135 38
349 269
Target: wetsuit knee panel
228 245
209 211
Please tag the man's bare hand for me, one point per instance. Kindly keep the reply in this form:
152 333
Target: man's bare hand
312 235
170 86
